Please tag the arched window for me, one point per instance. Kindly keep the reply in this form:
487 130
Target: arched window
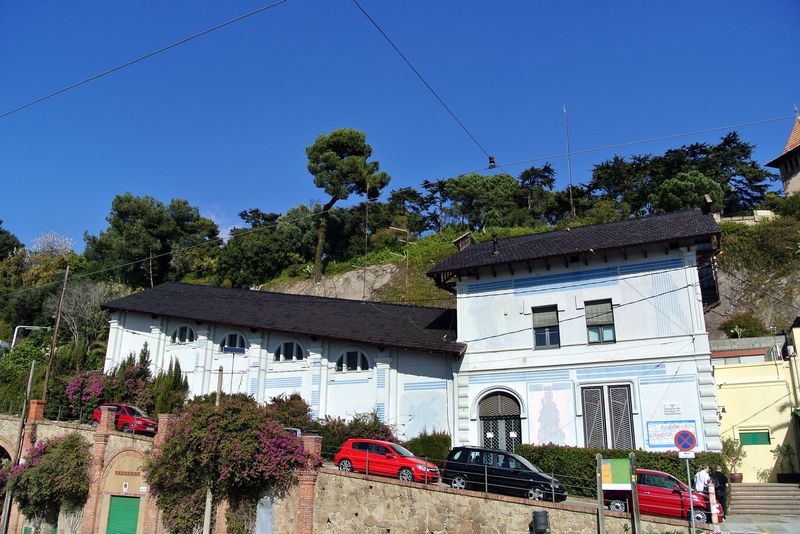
352 360
289 351
233 343
183 334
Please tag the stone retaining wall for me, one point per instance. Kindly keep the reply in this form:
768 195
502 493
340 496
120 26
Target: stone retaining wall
346 502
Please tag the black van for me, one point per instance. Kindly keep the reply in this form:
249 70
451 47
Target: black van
497 471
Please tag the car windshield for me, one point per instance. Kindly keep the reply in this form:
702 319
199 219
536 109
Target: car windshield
137 412
402 451
527 464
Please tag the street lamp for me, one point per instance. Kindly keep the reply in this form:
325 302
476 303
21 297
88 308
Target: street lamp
25 327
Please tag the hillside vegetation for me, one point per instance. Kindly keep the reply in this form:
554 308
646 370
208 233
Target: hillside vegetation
758 274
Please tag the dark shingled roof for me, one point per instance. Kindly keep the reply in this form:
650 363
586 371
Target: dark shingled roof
391 325
680 225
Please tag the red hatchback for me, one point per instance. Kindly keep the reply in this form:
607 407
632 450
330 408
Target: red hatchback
128 419
383 458
662 494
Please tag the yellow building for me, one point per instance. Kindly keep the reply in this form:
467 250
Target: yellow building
757 403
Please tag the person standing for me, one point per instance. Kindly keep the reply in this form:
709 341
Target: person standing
702 478
720 482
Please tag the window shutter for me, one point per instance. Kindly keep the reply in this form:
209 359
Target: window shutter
545 317
594 425
599 313
621 421
499 405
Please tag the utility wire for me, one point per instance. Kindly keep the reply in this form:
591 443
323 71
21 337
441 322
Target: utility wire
650 140
142 58
422 79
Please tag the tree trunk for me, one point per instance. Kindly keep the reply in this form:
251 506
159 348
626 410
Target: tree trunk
323 227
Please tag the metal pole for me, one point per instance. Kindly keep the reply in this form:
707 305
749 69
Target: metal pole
691 494
637 525
209 498
569 162
55 337
485 478
18 453
601 513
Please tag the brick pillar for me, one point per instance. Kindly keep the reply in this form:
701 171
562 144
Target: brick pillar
36 411
92 507
152 515
220 520
306 487
15 518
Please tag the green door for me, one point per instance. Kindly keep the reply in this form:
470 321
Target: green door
123 515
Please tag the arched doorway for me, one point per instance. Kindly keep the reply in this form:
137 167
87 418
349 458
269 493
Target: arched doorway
500 423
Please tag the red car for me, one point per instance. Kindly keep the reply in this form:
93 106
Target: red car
662 494
128 419
383 458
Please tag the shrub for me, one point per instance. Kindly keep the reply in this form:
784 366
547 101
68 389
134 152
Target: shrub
291 411
576 467
54 477
335 431
744 324
434 446
239 450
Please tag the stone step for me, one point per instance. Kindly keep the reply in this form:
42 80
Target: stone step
763 511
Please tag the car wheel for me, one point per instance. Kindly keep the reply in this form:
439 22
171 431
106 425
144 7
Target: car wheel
459 482
127 428
618 505
700 517
406 474
346 465
535 494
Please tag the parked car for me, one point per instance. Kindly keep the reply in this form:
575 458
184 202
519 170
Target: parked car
499 471
662 494
376 457
128 419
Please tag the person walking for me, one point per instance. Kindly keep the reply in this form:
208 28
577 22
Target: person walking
702 478
720 482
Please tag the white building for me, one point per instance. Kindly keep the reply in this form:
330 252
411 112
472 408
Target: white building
592 336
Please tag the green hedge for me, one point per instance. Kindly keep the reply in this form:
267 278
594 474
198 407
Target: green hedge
575 467
434 446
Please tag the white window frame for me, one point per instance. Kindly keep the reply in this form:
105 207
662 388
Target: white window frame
174 339
340 367
224 347
280 356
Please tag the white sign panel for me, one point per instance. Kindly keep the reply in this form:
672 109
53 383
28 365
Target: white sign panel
686 455
672 408
661 434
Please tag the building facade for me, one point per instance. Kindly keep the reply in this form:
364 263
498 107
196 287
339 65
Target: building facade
592 336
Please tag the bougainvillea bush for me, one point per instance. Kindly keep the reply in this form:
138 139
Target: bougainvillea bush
240 450
54 477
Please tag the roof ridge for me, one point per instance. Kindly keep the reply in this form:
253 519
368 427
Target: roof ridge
794 137
300 295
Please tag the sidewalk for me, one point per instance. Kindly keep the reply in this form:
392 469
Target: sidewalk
771 524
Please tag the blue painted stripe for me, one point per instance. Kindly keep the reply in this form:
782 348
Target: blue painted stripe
599 276
315 362
672 263
293 382
380 410
668 380
623 370
490 286
381 378
423 386
345 382
552 387
315 398
254 364
314 380
253 386
499 378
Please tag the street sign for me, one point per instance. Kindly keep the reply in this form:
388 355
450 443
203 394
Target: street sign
686 455
685 440
616 474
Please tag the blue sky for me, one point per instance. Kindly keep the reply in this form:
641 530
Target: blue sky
223 121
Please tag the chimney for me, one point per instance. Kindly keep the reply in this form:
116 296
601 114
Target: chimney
464 241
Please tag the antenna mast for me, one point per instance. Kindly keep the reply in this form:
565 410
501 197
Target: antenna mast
569 162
